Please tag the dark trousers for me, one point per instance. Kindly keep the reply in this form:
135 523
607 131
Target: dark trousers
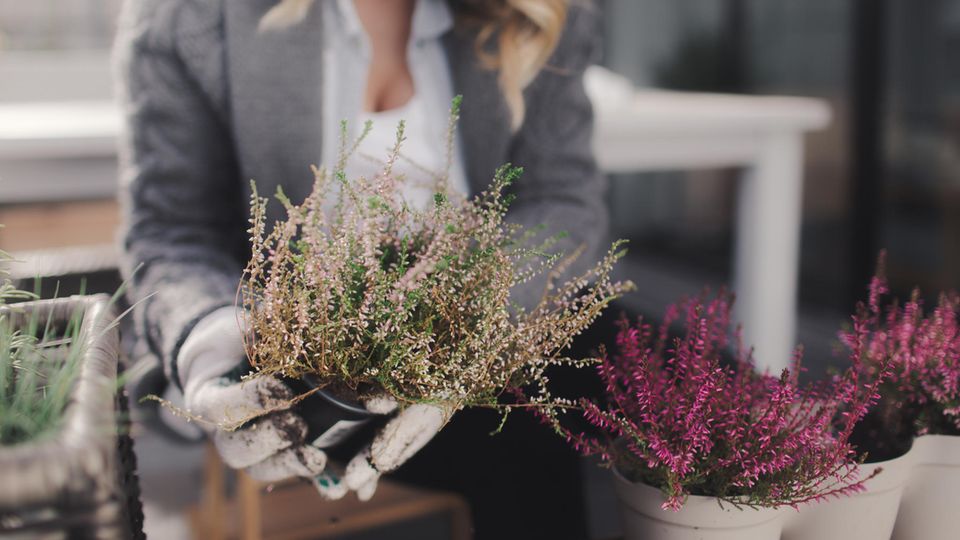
524 482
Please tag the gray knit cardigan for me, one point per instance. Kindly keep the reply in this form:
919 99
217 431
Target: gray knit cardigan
211 103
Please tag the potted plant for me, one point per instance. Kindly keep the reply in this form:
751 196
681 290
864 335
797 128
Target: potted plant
881 438
358 294
67 470
704 446
920 402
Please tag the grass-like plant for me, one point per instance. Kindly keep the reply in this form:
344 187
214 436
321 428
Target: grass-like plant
679 416
370 294
38 366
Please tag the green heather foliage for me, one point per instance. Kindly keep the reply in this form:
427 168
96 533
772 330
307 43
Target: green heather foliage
372 295
38 364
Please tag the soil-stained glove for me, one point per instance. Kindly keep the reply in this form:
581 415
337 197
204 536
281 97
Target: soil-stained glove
269 448
402 437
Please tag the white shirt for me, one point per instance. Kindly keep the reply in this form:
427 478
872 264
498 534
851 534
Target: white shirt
346 61
423 158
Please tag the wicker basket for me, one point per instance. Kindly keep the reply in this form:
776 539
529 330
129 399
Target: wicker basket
81 482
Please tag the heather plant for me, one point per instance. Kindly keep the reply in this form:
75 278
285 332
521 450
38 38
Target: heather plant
691 418
368 294
921 394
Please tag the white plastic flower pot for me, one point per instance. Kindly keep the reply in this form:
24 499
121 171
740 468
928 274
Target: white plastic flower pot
930 509
701 518
868 515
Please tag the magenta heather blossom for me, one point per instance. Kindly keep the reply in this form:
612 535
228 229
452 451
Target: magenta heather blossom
679 417
922 393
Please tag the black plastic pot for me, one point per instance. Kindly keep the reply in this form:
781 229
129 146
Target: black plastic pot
336 423
880 441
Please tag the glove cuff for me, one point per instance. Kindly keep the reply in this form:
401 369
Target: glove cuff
213 348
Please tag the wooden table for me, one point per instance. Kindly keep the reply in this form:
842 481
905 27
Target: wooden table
293 510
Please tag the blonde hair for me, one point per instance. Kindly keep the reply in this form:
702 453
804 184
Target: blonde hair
284 14
524 32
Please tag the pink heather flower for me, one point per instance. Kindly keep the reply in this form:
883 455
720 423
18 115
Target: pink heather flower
681 417
371 295
922 353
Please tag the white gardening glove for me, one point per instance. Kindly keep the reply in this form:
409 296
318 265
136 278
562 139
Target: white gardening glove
402 437
270 448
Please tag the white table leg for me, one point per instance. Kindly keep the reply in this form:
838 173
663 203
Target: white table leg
767 250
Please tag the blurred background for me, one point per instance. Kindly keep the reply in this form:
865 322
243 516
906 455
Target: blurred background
884 172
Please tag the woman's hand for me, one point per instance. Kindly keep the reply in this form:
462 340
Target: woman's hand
402 437
272 446
269 447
